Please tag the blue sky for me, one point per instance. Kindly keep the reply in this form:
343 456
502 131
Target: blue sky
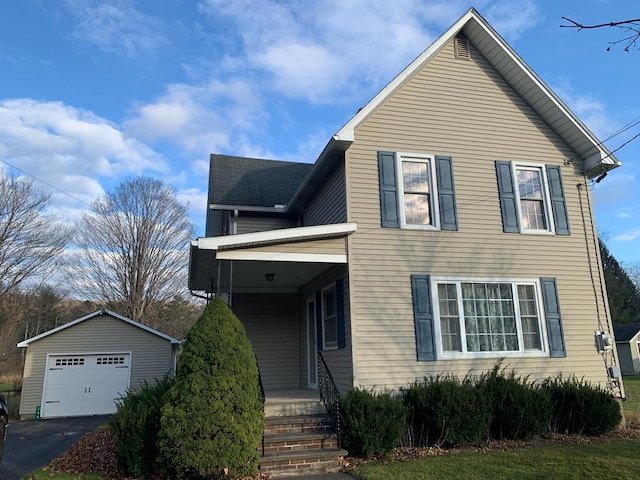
94 91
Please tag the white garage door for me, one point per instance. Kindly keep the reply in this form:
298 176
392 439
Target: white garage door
84 384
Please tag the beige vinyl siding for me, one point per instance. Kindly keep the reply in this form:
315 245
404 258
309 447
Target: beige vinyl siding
335 246
464 109
271 322
338 360
250 224
328 204
151 355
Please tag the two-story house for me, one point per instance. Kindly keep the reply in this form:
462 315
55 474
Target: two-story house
445 227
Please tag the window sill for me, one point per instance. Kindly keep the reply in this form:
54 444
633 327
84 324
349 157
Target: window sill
481 355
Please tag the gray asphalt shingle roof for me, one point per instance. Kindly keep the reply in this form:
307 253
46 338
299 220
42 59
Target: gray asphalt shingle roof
625 331
254 181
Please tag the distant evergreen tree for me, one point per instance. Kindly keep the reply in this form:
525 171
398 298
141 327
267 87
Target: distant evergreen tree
624 296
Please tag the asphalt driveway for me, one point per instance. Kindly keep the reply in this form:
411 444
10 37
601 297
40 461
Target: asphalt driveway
33 443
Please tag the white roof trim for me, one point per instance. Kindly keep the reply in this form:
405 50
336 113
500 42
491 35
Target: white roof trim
282 256
282 235
347 132
104 311
247 208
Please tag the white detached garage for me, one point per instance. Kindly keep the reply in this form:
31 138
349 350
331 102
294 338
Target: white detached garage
84 366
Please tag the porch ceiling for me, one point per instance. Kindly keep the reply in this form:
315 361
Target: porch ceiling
289 257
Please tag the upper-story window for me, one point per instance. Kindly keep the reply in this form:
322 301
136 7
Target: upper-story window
417 191
532 198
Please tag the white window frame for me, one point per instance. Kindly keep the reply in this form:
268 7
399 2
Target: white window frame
433 190
441 354
332 345
546 198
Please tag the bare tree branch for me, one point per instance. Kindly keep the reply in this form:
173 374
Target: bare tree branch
31 242
632 26
134 246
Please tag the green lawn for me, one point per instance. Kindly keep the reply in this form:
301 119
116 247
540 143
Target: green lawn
612 459
632 391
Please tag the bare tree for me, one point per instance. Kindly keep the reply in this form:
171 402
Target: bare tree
133 246
630 27
31 242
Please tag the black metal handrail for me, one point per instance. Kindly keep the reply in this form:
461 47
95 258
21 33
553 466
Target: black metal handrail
329 395
264 397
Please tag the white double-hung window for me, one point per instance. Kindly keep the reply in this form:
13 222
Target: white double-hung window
488 318
416 191
533 198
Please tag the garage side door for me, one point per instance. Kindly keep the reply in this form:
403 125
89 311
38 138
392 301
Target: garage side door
77 385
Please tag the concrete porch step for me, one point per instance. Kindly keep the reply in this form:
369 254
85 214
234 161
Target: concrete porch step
285 409
302 462
290 442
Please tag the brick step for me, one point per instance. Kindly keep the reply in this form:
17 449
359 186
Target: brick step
297 424
289 442
303 462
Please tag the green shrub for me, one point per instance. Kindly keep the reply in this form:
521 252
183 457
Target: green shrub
519 408
581 408
135 428
371 423
212 419
445 410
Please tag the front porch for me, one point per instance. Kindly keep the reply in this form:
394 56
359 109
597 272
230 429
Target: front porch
291 402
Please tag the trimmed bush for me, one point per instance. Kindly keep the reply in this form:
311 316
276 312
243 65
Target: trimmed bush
519 408
212 419
581 408
445 410
135 428
371 423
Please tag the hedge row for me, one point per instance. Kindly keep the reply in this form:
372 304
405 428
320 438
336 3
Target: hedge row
445 410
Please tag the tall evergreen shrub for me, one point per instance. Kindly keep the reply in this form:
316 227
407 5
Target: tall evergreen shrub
212 419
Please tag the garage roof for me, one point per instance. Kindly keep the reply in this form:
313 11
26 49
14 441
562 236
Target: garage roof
103 311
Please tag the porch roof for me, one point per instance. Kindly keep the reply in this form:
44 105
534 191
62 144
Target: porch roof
289 257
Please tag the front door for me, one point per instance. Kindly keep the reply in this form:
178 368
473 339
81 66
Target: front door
312 344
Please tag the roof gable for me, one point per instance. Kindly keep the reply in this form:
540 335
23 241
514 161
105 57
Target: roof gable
524 81
98 313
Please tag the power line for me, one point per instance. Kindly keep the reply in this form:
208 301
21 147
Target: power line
46 183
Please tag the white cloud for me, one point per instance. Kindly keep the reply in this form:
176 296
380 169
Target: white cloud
629 236
71 149
511 19
116 26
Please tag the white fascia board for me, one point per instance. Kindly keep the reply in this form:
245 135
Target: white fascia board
248 208
275 236
282 256
600 159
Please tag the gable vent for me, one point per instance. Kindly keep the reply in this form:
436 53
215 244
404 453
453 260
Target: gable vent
461 47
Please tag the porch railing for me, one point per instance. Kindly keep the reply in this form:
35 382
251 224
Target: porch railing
263 396
329 395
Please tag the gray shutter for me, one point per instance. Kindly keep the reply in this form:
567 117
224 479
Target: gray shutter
507 194
423 317
446 194
554 319
556 191
319 319
388 190
340 313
